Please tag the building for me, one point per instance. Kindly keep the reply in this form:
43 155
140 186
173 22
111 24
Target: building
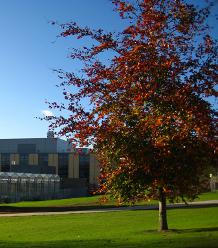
49 156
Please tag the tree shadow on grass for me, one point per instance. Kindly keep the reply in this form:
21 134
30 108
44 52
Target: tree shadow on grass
182 231
195 230
172 241
16 209
12 209
69 244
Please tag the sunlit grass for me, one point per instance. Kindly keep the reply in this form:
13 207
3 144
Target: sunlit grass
189 228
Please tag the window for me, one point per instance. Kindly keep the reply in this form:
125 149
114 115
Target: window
63 165
84 161
43 159
5 162
24 159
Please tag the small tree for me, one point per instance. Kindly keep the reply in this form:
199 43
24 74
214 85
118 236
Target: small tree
148 120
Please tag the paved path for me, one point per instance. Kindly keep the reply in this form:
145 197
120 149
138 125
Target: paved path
211 203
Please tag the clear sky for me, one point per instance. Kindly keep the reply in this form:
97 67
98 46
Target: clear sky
29 51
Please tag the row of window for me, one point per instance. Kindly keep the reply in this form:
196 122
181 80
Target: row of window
24 159
63 158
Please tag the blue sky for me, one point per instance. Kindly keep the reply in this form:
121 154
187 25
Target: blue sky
29 51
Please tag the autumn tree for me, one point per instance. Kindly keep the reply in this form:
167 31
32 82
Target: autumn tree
148 120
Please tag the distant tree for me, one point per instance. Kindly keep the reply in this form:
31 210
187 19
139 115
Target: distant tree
148 119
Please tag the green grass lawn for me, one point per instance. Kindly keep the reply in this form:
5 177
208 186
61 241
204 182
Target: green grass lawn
81 201
208 196
190 228
92 201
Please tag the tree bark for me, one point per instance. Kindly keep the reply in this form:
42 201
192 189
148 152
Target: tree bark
163 226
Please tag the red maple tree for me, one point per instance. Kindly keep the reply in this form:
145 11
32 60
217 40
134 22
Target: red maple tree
148 120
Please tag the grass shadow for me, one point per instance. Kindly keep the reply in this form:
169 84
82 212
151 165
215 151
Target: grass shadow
183 231
12 209
169 242
106 243
15 209
195 230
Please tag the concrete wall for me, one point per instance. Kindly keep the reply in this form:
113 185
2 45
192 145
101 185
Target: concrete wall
63 146
42 145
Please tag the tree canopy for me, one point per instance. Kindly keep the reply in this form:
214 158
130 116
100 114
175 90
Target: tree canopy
148 120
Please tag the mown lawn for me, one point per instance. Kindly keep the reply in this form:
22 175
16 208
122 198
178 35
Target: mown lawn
92 201
193 228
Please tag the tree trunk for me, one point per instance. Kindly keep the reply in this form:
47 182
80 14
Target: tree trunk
162 211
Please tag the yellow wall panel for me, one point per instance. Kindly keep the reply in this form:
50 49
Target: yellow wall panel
33 159
73 166
14 159
94 169
53 161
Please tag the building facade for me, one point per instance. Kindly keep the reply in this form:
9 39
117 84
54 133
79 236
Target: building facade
48 156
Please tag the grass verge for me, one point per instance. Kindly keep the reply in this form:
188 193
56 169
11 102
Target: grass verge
193 228
89 202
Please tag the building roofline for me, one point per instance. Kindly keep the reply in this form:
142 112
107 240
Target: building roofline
33 139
